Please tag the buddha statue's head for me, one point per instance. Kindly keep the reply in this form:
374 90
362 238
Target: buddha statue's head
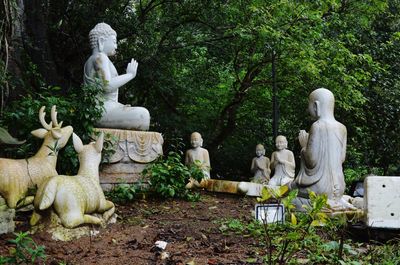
321 104
103 39
196 140
281 142
260 150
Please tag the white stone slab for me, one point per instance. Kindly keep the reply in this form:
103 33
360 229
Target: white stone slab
382 201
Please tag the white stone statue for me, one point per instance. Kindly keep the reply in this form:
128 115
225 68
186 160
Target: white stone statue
74 198
103 41
198 155
323 152
19 175
260 166
282 162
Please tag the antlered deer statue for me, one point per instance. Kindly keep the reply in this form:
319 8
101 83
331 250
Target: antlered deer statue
19 175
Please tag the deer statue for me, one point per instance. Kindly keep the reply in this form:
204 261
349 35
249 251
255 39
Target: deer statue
74 198
19 175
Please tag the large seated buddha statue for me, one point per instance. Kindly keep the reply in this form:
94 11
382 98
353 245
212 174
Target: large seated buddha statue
103 41
124 125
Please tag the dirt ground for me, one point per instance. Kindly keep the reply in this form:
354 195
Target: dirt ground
191 230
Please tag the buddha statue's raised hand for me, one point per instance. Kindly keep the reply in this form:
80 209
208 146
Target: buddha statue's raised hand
132 67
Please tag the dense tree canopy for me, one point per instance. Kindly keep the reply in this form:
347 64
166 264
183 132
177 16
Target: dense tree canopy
207 66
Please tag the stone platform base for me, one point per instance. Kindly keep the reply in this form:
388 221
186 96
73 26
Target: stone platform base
120 173
52 225
134 150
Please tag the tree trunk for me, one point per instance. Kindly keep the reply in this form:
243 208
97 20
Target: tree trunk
36 41
11 46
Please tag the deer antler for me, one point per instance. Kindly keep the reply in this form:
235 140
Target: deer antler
42 114
54 117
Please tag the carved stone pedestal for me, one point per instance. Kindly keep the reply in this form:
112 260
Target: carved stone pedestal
134 150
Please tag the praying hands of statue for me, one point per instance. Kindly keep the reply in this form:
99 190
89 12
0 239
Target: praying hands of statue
277 159
303 138
260 165
132 67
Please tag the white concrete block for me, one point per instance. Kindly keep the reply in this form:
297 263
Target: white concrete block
382 201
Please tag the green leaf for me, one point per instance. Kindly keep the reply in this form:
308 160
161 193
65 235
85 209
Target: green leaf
293 219
318 223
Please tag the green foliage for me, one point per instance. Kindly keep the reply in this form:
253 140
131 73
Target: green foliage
81 108
233 225
25 251
168 177
387 254
206 66
299 229
123 193
310 235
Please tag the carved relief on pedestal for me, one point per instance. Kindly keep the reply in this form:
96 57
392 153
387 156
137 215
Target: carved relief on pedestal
133 151
140 147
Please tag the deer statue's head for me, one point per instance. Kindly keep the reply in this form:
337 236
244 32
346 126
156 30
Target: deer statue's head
52 132
89 154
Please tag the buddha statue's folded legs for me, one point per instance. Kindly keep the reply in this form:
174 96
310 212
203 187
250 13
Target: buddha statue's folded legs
125 117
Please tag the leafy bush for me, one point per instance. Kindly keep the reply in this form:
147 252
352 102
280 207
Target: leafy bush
25 251
309 237
168 177
358 174
124 193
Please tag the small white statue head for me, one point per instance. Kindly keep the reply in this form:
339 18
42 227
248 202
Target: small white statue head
321 103
281 142
260 150
103 39
196 140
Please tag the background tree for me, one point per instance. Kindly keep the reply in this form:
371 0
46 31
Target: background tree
207 66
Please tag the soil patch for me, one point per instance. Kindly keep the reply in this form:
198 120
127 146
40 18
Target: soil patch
191 229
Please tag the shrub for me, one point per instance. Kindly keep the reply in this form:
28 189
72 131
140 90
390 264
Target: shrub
123 193
25 251
168 177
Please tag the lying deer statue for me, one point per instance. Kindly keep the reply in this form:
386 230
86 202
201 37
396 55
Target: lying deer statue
19 175
74 197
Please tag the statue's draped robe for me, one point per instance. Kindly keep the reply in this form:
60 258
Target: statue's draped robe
321 161
202 156
284 172
260 168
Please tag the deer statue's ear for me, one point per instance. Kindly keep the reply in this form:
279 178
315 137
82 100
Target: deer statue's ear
78 145
99 143
39 133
